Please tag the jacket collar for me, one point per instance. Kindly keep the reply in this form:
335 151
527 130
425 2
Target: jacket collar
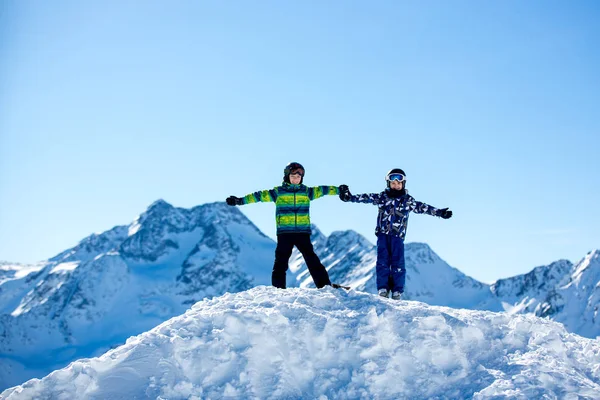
292 187
395 194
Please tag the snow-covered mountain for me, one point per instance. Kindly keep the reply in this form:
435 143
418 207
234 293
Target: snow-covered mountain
562 291
523 292
124 282
267 343
576 300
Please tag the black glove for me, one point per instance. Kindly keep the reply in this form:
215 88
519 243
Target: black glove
344 193
233 201
445 213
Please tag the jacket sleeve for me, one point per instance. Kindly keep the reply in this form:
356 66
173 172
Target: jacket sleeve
262 195
320 191
369 198
422 208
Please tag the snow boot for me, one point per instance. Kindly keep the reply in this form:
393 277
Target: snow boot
383 293
396 296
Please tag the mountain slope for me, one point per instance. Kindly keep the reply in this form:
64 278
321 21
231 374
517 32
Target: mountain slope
562 291
576 302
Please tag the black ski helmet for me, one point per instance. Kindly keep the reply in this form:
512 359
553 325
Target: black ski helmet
292 167
395 171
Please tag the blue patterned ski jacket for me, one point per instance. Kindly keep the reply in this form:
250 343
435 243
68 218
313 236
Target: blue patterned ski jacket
393 211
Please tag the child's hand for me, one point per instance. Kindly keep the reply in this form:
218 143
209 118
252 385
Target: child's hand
233 201
445 213
344 193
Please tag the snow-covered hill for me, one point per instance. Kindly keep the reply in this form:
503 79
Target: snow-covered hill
268 343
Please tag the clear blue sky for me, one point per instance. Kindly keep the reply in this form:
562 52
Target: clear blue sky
491 108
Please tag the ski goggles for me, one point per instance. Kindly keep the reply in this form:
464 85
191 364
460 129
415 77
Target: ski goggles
396 177
297 172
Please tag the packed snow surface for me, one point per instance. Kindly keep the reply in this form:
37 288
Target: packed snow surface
268 343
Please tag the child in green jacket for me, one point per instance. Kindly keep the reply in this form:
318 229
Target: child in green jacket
292 203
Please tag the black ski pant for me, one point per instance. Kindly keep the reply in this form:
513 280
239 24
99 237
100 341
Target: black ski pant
283 252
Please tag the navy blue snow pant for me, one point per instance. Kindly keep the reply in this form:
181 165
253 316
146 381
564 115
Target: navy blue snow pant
391 270
283 252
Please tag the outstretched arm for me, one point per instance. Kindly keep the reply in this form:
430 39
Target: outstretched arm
369 198
319 191
423 208
260 196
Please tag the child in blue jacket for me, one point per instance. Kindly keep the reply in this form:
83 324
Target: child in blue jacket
394 206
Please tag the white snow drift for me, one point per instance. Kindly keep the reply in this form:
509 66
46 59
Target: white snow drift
307 343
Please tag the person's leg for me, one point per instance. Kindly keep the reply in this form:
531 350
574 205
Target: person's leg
398 264
283 252
382 267
316 269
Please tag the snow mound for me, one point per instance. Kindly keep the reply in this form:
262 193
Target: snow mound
330 344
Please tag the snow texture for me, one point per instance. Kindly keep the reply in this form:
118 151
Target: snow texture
268 343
